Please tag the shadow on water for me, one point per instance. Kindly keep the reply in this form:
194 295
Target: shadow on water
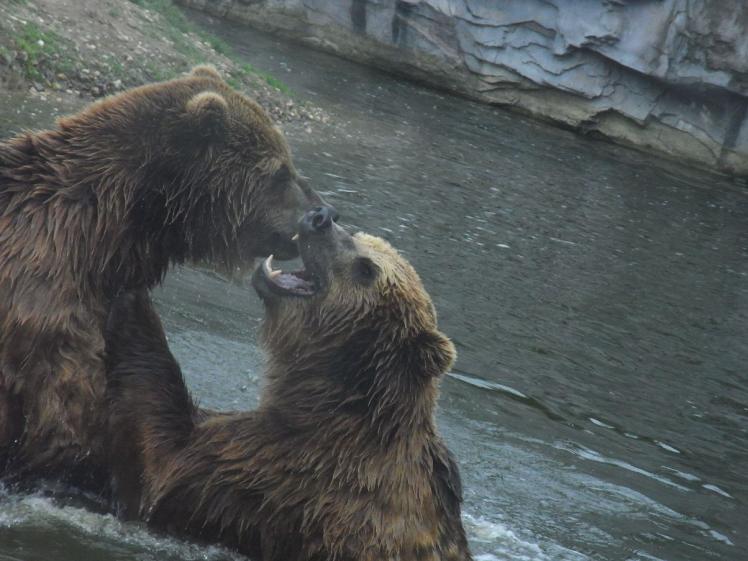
598 299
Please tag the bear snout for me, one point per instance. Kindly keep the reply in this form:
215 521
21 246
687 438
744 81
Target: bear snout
318 220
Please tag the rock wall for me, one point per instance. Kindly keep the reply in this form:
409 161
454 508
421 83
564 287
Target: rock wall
666 75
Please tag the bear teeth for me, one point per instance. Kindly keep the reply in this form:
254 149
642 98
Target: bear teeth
267 266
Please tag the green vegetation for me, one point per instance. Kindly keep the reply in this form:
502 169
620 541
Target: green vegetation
116 68
40 48
248 69
160 73
219 45
277 84
168 10
174 27
178 31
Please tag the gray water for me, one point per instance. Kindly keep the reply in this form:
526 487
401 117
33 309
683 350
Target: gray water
598 299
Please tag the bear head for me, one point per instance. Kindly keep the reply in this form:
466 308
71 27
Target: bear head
201 169
354 324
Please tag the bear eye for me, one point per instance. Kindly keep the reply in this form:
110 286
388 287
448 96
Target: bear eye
282 177
364 270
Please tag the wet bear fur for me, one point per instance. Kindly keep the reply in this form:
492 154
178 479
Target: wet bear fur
341 460
185 170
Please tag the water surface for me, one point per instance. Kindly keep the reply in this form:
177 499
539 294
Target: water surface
597 297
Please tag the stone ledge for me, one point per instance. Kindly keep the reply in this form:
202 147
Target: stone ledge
663 75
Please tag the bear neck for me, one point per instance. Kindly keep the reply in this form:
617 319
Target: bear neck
372 404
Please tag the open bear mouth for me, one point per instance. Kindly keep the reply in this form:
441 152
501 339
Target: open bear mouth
292 283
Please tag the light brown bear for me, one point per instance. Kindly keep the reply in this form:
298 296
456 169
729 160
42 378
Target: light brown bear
342 460
186 170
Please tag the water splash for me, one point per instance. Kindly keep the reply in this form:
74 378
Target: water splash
494 541
37 510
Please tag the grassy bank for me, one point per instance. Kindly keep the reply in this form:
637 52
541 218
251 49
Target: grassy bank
182 33
91 49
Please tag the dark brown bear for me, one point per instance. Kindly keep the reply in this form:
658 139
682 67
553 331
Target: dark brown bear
342 460
186 170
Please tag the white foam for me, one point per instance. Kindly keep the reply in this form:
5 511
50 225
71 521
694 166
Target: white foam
491 540
502 538
599 423
494 541
37 510
715 489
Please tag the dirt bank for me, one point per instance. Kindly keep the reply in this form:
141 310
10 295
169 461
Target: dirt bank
71 52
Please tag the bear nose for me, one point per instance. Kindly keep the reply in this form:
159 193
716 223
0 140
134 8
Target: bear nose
319 219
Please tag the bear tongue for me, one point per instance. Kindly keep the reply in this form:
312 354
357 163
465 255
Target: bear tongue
289 281
292 282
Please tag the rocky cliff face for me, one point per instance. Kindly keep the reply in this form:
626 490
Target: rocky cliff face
668 75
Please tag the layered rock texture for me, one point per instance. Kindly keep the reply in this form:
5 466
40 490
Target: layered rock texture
666 75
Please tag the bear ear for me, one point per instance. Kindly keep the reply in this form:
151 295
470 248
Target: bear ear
206 71
207 112
434 353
